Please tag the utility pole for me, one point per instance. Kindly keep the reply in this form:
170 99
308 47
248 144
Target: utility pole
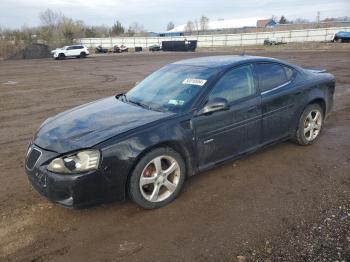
318 17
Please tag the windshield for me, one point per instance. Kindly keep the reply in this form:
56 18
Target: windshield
172 88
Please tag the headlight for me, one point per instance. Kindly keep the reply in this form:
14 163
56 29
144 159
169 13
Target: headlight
79 162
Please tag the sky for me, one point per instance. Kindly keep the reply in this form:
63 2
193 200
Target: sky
155 14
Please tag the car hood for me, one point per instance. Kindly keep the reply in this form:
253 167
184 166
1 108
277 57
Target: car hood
91 124
57 49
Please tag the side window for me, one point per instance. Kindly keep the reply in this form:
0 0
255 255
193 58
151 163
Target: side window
289 73
70 47
271 75
235 84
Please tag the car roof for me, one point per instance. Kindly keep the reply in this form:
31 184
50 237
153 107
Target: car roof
225 60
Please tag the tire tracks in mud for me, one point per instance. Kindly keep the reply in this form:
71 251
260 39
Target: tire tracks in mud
107 78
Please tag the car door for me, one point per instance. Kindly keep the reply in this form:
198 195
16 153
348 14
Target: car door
77 50
224 134
70 51
278 97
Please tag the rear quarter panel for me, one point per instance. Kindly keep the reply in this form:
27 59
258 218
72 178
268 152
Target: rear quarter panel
315 88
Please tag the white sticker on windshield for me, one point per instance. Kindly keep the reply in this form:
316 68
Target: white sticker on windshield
194 81
176 102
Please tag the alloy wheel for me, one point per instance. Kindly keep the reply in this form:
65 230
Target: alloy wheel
160 178
312 125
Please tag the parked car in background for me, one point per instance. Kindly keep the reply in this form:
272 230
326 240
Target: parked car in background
120 49
154 48
185 118
78 51
274 41
100 49
341 37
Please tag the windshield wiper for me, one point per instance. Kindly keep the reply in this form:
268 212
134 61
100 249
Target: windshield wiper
122 97
140 104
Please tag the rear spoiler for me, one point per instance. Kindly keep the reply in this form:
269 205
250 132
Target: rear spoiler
316 70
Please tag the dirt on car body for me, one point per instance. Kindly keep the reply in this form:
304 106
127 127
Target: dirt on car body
263 206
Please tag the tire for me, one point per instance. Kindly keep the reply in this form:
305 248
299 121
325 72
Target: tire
82 55
150 186
310 125
61 56
339 40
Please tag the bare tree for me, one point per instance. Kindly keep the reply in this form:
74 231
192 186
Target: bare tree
189 27
137 28
204 23
70 29
130 31
274 18
117 29
283 20
50 18
196 25
50 21
170 26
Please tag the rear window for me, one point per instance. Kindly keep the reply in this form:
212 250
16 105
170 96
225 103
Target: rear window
272 75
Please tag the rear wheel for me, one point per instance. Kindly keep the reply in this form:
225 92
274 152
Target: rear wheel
82 55
310 125
157 178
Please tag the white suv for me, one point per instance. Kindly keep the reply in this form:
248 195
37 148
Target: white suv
78 51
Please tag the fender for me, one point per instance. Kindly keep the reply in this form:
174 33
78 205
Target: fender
121 158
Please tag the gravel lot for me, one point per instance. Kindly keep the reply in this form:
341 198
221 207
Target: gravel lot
286 203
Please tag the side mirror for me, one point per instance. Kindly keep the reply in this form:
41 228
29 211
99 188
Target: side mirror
216 104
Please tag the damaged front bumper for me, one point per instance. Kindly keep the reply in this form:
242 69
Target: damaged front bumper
70 190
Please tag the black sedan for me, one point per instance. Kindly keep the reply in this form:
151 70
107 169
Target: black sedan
187 117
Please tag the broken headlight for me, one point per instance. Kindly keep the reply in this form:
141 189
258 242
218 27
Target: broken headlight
79 162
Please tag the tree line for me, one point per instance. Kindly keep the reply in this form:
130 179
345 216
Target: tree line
56 29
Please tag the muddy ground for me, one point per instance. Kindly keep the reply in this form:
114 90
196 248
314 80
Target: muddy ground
285 203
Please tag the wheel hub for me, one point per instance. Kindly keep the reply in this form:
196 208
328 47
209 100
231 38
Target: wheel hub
161 179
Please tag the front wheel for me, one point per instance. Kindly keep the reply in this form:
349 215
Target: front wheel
310 125
157 178
61 56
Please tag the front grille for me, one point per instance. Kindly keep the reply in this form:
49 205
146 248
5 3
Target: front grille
33 157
